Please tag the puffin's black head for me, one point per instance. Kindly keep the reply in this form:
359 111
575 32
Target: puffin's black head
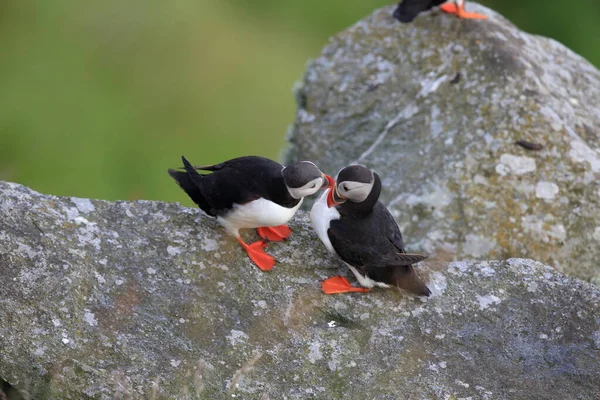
356 184
305 178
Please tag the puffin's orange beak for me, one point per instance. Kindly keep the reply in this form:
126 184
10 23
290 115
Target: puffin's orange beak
333 199
330 201
328 182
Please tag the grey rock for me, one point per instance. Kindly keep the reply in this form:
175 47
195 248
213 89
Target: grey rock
436 107
150 300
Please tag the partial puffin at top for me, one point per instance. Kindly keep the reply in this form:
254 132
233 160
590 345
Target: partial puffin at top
408 10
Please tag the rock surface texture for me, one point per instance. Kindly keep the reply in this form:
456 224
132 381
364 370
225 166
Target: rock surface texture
436 107
149 300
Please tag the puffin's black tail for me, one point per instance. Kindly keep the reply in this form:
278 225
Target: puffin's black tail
405 277
408 10
191 183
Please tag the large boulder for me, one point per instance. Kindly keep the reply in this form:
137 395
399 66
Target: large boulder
436 107
150 300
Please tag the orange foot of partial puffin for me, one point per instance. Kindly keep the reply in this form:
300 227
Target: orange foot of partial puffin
274 233
255 251
339 284
460 12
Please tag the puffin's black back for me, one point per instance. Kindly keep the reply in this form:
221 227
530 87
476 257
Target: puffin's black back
236 181
408 10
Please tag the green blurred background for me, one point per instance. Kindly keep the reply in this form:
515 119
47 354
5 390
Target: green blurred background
99 97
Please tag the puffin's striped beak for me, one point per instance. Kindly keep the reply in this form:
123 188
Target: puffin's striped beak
328 182
334 198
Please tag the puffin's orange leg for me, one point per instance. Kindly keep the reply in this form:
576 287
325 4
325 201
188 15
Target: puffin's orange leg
274 233
460 12
255 251
339 284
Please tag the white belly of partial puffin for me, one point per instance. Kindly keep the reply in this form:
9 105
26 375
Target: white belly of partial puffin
255 214
320 218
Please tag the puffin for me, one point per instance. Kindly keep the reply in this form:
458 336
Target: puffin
252 192
355 226
408 10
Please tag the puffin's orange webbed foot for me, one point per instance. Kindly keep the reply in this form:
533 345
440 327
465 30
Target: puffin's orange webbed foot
460 12
339 284
255 251
274 233
449 8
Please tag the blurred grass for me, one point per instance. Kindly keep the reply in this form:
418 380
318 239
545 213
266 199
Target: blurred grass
99 98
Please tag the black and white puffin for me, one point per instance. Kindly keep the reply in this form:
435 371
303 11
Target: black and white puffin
252 192
353 224
408 10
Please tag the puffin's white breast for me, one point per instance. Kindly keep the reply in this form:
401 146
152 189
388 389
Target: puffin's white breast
321 216
255 214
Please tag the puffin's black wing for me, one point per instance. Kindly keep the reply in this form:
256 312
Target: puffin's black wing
408 10
365 242
246 163
236 181
389 226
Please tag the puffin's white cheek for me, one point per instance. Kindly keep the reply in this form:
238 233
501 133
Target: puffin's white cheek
304 192
295 193
299 193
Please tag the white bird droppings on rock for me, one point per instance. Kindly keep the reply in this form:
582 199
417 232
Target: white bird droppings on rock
90 318
209 244
546 190
487 300
502 169
580 152
150 271
173 251
517 165
478 246
532 287
99 277
437 284
236 337
315 352
458 267
558 231
596 234
83 205
487 271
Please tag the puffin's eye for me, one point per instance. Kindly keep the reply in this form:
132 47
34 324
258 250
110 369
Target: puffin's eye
345 187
